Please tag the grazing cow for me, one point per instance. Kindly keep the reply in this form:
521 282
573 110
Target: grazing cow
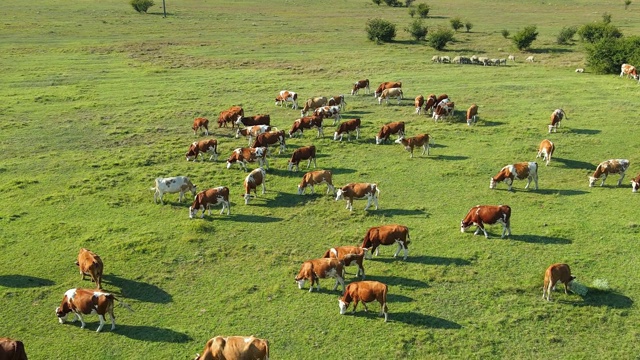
208 198
229 116
303 153
360 84
512 58
203 147
630 71
556 116
364 291
337 100
416 141
11 349
307 122
255 178
317 177
389 129
387 235
312 104
316 269
172 185
546 150
580 70
390 93
359 191
613 166
287 96
430 103
440 99
261 119
472 114
235 348
490 215
635 183
246 155
419 102
198 123
327 112
271 138
436 59
530 58
85 301
518 171
386 85
554 274
89 263
444 109
348 255
347 127
252 131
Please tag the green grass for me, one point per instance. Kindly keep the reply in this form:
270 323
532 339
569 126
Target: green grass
98 101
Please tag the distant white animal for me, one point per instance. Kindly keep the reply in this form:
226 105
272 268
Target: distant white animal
530 58
579 70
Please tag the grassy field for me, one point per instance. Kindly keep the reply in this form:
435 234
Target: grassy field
98 101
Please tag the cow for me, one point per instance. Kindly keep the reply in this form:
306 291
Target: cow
389 129
440 99
316 269
198 123
337 100
246 155
260 119
229 116
387 235
252 131
11 349
316 177
386 85
347 127
312 104
172 185
307 122
348 255
303 153
85 301
364 291
613 166
512 58
556 116
359 191
90 263
554 274
202 147
635 183
271 138
472 114
255 178
444 109
630 71
210 197
580 70
436 59
287 96
480 215
546 150
327 112
390 93
416 141
419 102
360 84
530 58
430 103
235 348
517 171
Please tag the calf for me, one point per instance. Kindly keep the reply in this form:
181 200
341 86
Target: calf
85 301
246 155
360 84
337 100
386 85
487 214
314 270
419 102
347 127
235 347
635 183
11 349
198 123
359 191
389 129
546 150
430 103
327 112
530 58
303 153
312 104
556 116
211 197
390 93
630 71
440 99
252 131
472 114
416 141
271 138
613 166
287 96
89 263
364 291
172 185
554 274
317 177
518 171
306 122
444 109
229 116
348 255
203 147
387 235
253 120
252 181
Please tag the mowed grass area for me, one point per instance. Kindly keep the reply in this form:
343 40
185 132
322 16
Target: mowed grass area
98 101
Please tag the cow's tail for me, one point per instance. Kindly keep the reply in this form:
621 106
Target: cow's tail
377 191
152 189
327 254
266 345
384 298
123 304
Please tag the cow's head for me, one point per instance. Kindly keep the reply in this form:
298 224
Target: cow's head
335 136
635 185
300 280
247 197
464 225
492 183
62 311
192 212
343 306
290 166
301 189
592 180
340 194
192 153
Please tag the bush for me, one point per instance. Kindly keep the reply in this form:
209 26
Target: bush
606 55
379 30
393 3
456 23
626 4
606 18
423 10
417 30
412 12
142 6
408 2
468 25
505 33
377 2
439 38
566 35
595 32
523 38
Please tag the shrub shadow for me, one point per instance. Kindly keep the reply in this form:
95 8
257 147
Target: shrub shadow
609 299
23 281
138 290
437 260
537 239
574 164
585 131
396 280
549 51
564 192
417 319
249 218
400 212
152 334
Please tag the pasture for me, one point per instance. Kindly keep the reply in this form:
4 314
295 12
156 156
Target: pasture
98 101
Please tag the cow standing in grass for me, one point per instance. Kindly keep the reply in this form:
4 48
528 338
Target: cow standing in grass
554 274
518 171
365 291
416 141
546 150
613 166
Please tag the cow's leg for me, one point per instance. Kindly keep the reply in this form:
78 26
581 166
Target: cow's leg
368 203
399 248
603 179
535 179
621 177
510 184
316 165
365 306
375 201
79 317
484 231
264 188
355 304
309 163
330 188
313 191
350 204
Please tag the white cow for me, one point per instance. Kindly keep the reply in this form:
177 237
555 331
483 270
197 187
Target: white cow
172 185
390 93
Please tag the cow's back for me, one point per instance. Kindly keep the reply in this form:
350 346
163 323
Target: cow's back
11 349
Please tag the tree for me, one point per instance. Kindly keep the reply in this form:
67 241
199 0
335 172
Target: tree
412 12
505 33
468 25
523 38
626 4
408 2
606 18
377 2
423 10
393 3
439 38
456 23
606 55
417 30
594 32
566 35
141 6
380 30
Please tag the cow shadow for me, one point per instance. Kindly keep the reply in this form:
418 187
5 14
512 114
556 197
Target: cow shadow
585 131
448 157
286 173
563 192
396 298
417 319
396 280
290 200
437 260
258 219
340 171
23 281
138 290
436 146
359 112
550 50
539 239
574 164
610 299
152 334
400 212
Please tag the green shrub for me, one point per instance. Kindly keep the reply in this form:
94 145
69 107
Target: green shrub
606 18
439 38
417 30
566 35
606 55
379 30
393 3
412 12
468 25
408 3
141 6
505 33
626 4
523 38
423 10
456 23
377 2
594 32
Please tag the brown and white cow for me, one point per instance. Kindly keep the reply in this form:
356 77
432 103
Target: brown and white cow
198 123
421 140
11 349
554 274
235 348
246 155
395 93
444 109
337 100
517 171
364 291
90 263
316 269
85 301
316 177
230 116
303 153
312 104
347 127
419 102
472 114
252 131
440 99
261 119
327 112
386 85
255 178
204 200
360 84
630 71
359 191
613 166
306 122
480 215
286 96
203 147
348 255
271 138
546 150
556 116
388 130
387 235
172 185
430 103
635 183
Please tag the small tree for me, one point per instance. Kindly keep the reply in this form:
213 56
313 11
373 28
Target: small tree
439 38
142 6
379 30
377 2
423 10
566 35
412 12
626 4
408 2
594 32
456 23
606 18
393 3
468 25
523 38
417 30
505 33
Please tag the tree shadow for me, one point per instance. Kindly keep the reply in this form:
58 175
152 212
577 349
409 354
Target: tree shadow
258 219
417 319
141 291
538 239
396 280
437 260
401 212
448 157
564 192
23 281
574 164
585 131
550 51
152 334
335 171
396 298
